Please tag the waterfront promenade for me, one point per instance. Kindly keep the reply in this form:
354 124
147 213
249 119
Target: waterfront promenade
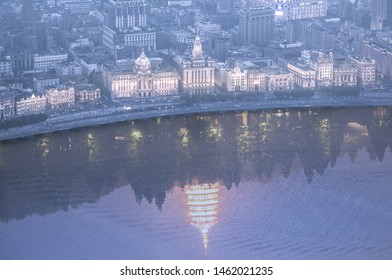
119 112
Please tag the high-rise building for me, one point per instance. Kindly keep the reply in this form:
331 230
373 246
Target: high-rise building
125 14
27 10
378 13
126 25
314 36
297 9
224 6
388 21
256 25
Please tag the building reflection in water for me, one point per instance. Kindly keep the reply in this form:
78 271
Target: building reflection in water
202 201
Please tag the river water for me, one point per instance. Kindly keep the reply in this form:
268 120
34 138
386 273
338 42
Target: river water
274 184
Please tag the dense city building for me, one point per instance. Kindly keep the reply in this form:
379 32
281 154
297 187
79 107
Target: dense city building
250 46
256 25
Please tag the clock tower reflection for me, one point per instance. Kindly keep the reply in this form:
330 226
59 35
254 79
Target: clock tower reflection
202 207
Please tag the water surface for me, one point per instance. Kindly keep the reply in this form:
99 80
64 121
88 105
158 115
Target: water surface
274 184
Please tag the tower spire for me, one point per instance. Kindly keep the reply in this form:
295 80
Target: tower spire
197 52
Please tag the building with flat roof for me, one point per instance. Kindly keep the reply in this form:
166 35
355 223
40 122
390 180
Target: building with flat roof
381 51
256 25
297 9
126 25
366 70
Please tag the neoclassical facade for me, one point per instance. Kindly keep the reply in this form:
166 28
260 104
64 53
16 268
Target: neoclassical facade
142 81
197 71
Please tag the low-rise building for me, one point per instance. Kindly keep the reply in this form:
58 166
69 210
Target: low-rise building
278 79
236 79
87 93
60 96
366 70
257 80
49 61
30 103
7 98
344 74
381 51
323 65
303 75
68 68
43 81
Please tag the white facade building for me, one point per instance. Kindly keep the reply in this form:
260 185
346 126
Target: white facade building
344 75
303 76
6 67
142 82
366 70
197 72
278 80
47 62
236 79
31 104
60 96
297 9
66 68
323 65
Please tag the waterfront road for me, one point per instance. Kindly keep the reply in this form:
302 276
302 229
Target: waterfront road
120 113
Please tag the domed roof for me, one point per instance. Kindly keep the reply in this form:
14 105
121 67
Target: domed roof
142 63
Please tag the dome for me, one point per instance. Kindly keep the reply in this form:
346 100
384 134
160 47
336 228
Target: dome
143 64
